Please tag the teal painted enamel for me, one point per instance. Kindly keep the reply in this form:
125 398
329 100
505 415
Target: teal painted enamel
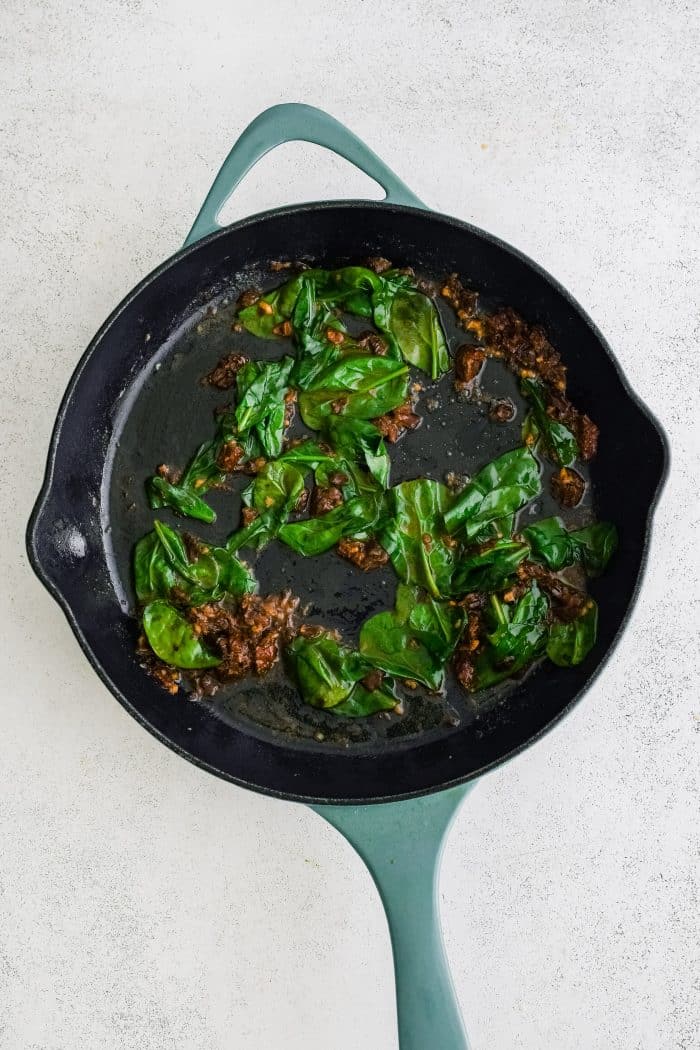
293 122
400 842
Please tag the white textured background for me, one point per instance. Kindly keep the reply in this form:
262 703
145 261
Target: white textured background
145 905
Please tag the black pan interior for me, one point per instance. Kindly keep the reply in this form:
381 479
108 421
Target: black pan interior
136 400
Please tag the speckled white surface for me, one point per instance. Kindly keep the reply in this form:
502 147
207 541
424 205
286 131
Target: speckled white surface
145 905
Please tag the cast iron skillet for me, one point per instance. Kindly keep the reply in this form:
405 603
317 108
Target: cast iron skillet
134 399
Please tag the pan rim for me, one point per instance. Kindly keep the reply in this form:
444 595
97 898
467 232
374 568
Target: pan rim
43 498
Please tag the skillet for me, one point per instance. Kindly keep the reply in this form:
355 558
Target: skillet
134 396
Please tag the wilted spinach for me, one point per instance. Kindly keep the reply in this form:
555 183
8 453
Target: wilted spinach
569 643
414 641
360 441
315 535
329 676
163 569
358 386
201 474
517 636
271 309
273 495
184 500
363 702
487 505
312 322
411 321
408 319
172 637
559 442
595 545
415 537
553 544
261 406
488 569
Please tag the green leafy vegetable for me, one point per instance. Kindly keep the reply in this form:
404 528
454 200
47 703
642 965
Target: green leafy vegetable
273 495
518 635
325 670
162 566
595 545
172 637
361 441
308 455
569 643
414 537
329 676
553 544
201 474
154 576
185 501
363 702
494 495
550 543
560 443
412 321
280 301
359 386
315 535
261 389
349 288
415 640
408 319
488 569
320 337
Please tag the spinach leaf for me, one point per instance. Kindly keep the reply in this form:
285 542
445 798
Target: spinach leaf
517 637
437 624
358 386
277 487
273 494
308 455
280 304
172 637
363 702
162 566
261 389
392 646
550 543
329 674
154 576
489 569
202 473
313 322
414 537
553 544
411 320
349 288
315 535
560 443
415 640
496 493
185 501
325 670
595 545
361 441
570 643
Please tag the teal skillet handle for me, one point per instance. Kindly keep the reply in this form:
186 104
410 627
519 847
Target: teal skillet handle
293 122
401 844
